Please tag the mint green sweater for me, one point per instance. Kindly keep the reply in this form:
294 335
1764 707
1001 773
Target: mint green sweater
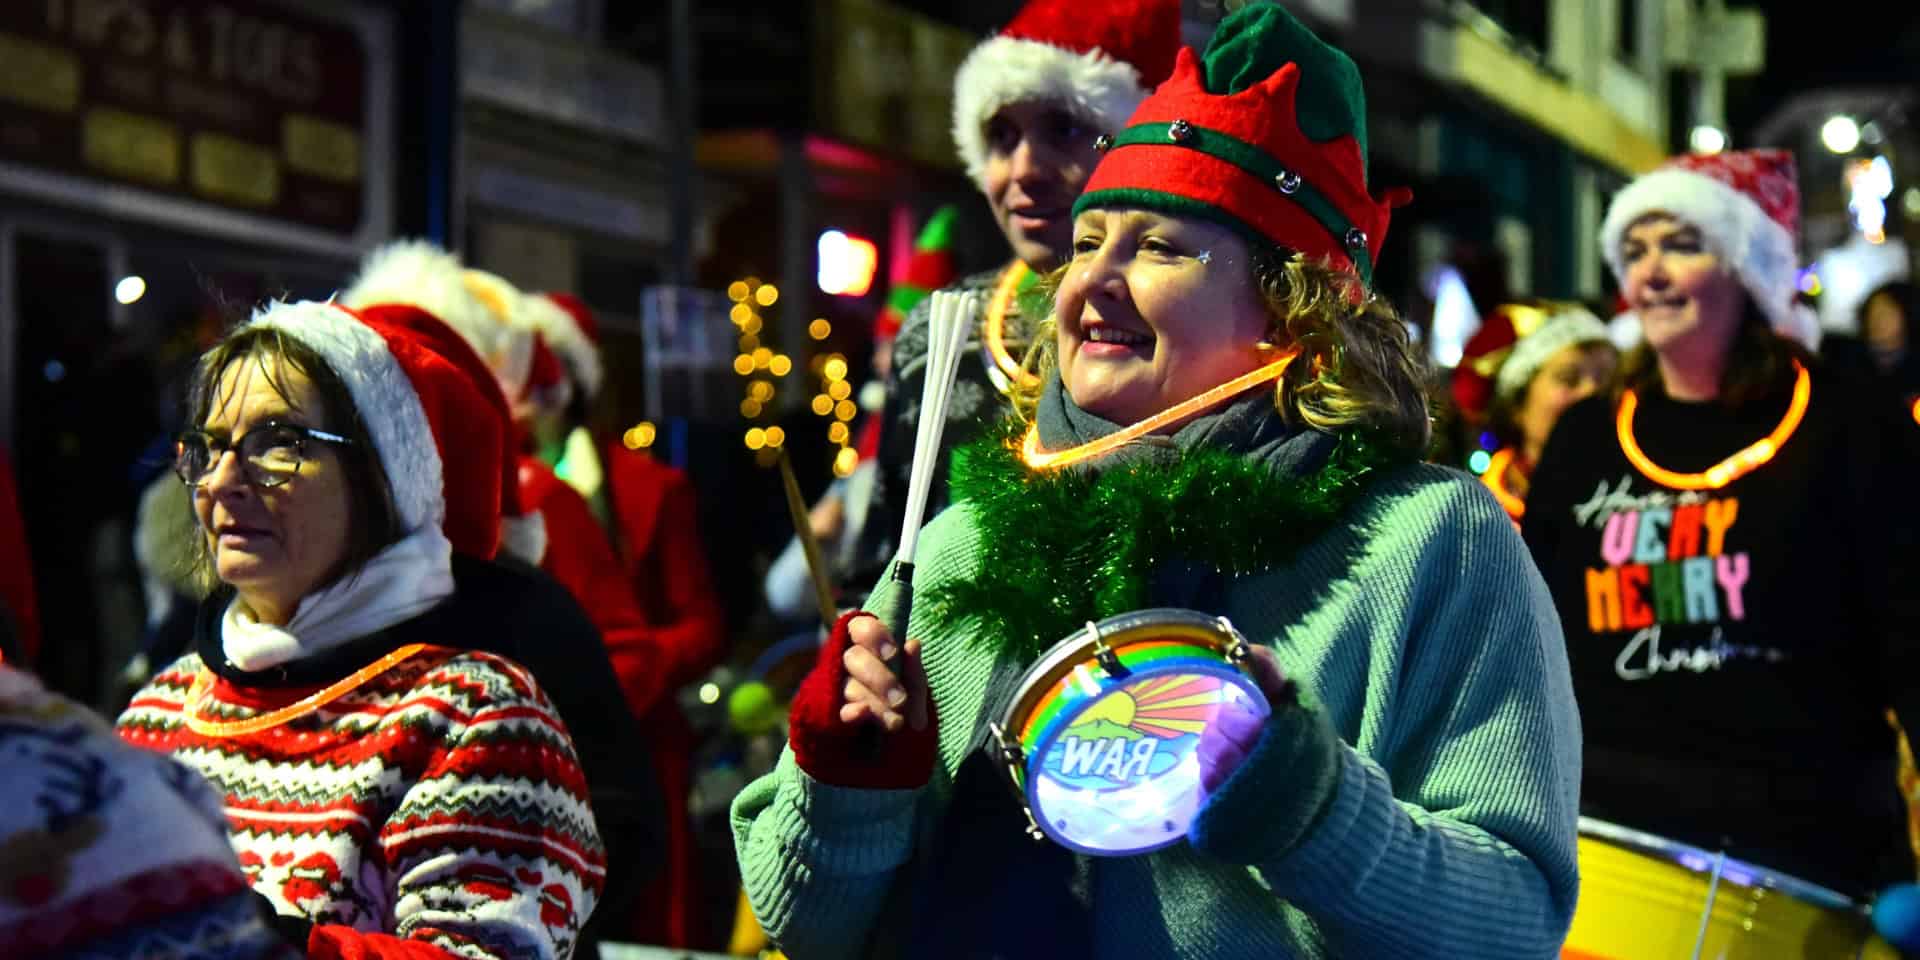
1423 631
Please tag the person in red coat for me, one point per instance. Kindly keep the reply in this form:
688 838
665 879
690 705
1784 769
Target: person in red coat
19 610
648 511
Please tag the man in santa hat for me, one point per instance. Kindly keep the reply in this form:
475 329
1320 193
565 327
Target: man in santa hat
1029 106
479 319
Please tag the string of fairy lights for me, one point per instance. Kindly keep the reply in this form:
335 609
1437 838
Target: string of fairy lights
762 369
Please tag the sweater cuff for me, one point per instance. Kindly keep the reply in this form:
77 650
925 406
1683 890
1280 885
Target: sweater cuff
1274 798
853 755
848 831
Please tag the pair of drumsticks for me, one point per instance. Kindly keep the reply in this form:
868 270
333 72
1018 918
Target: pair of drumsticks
950 317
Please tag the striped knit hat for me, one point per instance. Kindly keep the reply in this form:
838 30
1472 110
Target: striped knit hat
1265 133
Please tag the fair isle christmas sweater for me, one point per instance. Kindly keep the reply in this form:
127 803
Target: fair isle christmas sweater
436 809
1735 650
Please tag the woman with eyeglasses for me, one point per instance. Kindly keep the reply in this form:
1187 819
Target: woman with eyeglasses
390 792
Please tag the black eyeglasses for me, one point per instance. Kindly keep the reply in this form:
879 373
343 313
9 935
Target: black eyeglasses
271 452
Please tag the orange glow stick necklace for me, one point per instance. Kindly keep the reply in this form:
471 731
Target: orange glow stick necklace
1039 459
1742 462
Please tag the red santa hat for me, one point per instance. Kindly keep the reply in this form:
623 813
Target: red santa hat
521 533
1513 342
1099 61
1746 205
471 305
480 306
567 328
436 432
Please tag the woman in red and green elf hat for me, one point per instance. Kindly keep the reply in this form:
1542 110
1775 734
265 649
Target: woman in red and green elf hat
1228 422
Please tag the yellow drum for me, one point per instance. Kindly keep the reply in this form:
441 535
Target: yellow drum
1644 897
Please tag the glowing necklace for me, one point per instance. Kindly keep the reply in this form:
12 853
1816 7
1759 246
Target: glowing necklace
1493 478
1039 459
202 683
1743 461
993 330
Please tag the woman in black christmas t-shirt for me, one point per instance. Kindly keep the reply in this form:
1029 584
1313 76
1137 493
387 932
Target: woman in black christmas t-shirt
1731 548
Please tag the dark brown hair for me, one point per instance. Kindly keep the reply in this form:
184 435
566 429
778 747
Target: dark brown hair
373 522
1758 361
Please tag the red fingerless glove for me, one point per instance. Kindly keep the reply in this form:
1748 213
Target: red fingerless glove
854 755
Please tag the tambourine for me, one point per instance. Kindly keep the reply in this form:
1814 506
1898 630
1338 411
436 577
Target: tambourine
1099 742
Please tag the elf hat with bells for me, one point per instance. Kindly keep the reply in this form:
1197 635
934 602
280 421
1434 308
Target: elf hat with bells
1265 133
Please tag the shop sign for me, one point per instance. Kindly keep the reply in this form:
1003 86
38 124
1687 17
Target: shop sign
238 103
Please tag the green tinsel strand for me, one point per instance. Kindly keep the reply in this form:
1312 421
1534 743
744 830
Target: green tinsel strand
1063 547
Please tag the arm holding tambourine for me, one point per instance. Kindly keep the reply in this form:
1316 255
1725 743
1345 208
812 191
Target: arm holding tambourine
1445 828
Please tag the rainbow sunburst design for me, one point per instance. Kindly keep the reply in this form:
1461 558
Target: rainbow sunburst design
1167 706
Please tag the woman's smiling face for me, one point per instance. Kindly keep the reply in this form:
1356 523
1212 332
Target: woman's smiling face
1155 309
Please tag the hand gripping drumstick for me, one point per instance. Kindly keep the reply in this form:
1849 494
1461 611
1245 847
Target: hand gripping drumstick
950 319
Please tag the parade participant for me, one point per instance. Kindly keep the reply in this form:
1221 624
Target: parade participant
111 852
335 644
1728 542
1421 761
1526 364
1028 106
643 516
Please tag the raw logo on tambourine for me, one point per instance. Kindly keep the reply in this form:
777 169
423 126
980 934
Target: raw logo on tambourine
1133 735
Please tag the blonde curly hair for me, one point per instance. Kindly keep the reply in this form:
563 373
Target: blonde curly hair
1354 369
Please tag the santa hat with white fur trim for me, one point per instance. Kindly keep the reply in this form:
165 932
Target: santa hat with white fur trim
1746 205
1098 60
418 274
429 423
566 324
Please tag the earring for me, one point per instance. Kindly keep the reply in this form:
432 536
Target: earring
1206 256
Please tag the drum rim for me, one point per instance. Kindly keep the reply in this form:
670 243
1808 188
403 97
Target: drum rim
1053 664
1640 841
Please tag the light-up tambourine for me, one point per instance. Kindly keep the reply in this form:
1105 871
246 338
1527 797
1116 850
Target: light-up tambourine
1100 740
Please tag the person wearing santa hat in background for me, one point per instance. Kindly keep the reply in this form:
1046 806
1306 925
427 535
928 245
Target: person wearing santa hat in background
365 467
656 557
1029 105
1526 364
610 662
1729 542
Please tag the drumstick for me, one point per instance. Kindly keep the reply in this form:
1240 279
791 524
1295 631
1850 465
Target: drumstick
950 318
803 528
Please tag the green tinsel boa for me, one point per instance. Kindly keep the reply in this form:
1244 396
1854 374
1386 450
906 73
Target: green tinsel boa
1063 547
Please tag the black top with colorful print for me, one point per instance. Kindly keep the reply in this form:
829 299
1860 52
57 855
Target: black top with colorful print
1735 651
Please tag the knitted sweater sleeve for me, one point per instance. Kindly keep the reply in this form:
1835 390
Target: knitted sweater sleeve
493 851
1453 834
817 860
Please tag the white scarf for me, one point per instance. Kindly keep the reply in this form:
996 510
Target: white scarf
399 583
